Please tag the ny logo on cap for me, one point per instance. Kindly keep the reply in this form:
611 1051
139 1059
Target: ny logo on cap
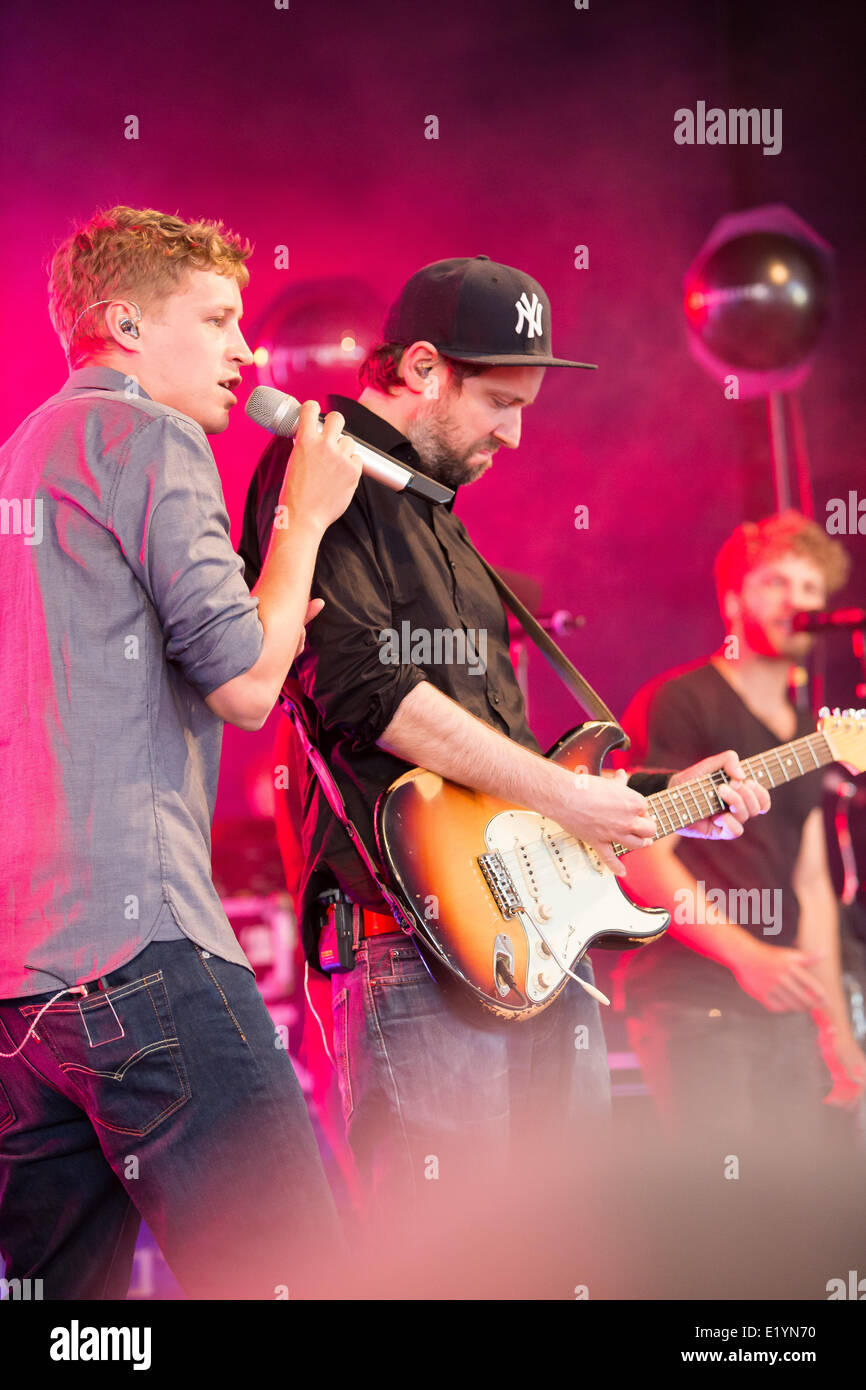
530 314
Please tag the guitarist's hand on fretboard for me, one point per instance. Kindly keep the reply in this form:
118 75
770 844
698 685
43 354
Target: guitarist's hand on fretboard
603 811
745 798
521 890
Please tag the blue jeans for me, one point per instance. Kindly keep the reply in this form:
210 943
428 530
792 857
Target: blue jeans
436 1091
724 1081
167 1097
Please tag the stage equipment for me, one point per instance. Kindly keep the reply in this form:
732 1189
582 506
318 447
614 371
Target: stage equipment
756 301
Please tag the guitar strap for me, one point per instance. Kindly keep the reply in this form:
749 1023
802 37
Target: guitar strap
292 707
568 674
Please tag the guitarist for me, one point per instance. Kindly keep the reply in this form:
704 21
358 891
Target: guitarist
424 1075
731 1012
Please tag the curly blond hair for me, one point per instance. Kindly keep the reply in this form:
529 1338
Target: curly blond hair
131 253
756 542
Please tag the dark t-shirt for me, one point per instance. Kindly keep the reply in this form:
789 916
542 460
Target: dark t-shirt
675 721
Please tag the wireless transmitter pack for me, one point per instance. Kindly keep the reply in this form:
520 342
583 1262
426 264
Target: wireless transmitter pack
339 936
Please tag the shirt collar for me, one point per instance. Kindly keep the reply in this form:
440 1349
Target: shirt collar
93 377
370 427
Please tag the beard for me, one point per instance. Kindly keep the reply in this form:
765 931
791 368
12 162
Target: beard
443 456
777 645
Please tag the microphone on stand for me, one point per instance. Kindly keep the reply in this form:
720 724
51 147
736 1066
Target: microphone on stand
558 623
823 620
562 621
279 413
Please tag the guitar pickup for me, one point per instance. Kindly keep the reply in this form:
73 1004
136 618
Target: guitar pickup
554 849
500 883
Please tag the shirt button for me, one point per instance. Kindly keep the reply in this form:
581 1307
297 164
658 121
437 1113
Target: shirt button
494 699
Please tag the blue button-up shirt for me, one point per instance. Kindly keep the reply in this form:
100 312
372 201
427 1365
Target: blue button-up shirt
122 606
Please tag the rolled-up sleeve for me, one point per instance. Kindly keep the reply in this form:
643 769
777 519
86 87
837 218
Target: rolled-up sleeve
345 667
169 517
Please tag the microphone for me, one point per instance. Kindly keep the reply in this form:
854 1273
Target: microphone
842 619
279 413
562 621
559 623
845 787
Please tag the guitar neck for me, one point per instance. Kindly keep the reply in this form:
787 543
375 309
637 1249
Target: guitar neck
676 807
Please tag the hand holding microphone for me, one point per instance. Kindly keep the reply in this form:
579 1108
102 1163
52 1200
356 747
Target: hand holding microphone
281 414
322 472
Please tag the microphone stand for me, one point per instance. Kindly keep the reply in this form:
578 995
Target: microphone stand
558 623
858 646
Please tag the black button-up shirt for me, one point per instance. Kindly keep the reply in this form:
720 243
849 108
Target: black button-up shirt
406 600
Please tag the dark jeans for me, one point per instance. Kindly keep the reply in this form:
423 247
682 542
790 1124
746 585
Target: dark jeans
438 1095
193 1119
725 1082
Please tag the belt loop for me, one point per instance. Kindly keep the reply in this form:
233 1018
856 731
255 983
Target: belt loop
356 926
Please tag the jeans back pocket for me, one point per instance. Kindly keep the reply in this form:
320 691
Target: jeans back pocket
119 1053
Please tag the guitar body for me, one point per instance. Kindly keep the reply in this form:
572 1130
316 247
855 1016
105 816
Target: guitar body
501 894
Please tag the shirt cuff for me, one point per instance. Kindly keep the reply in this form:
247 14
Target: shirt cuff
237 648
384 704
649 782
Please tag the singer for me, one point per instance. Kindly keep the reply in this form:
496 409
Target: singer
151 1085
423 1080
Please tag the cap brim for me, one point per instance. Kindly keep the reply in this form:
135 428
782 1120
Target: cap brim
519 359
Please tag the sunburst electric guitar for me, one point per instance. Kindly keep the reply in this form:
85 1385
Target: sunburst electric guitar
509 901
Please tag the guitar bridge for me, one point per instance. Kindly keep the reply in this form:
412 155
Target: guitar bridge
500 883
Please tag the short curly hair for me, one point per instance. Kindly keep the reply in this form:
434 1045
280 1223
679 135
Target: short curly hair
756 542
131 253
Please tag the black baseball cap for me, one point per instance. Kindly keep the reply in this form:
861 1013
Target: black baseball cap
476 310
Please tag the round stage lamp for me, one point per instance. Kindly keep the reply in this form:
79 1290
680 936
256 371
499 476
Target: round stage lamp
312 339
756 299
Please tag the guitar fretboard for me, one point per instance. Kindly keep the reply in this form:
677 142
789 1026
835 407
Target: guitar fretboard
676 807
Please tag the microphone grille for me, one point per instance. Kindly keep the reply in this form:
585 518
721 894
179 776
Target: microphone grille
274 410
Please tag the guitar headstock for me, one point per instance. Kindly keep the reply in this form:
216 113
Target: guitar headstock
845 732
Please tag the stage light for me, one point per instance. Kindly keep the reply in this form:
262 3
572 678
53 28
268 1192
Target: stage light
756 298
313 338
694 303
